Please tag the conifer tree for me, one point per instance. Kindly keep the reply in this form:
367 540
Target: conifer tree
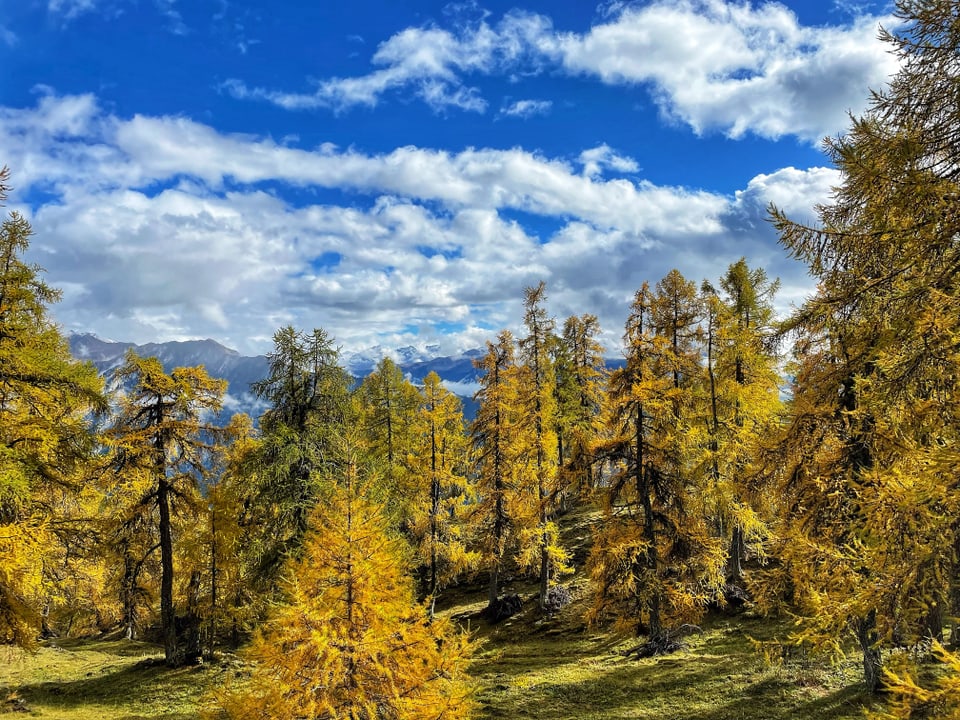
232 540
870 451
162 442
389 404
743 405
309 405
537 441
45 436
439 460
351 642
655 561
581 377
493 436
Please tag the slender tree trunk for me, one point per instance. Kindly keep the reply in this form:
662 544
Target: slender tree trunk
544 552
655 626
128 588
434 512
866 629
735 556
167 613
213 585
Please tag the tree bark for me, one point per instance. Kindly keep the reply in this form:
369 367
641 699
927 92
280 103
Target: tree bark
869 645
167 614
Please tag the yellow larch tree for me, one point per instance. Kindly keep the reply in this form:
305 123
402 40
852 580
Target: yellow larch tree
581 381
655 561
871 451
741 406
438 462
45 436
493 435
536 440
351 643
388 415
162 441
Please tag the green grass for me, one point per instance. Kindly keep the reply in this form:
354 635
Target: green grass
528 667
99 680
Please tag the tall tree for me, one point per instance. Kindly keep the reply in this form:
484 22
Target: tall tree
439 461
351 642
492 434
389 404
46 398
870 453
581 377
541 543
309 405
162 439
655 560
743 403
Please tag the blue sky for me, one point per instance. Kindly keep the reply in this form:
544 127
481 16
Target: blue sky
398 172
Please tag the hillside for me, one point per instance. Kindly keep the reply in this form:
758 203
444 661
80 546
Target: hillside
528 667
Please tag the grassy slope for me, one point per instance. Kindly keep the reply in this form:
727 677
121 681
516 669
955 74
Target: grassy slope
529 667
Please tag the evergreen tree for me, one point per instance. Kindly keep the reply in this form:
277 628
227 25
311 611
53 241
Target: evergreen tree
309 397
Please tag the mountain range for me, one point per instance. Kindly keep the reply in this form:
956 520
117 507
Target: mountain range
457 372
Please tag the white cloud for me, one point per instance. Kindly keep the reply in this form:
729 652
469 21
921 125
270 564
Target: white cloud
429 61
527 108
153 243
736 67
603 156
709 64
795 192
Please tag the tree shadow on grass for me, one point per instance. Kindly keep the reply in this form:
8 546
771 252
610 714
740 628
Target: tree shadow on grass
683 687
148 689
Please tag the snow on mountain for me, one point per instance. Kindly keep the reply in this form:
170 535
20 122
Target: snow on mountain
240 371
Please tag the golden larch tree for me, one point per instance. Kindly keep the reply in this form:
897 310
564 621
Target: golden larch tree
350 642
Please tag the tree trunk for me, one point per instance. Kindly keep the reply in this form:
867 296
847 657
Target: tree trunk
494 588
167 616
212 629
193 652
735 556
869 644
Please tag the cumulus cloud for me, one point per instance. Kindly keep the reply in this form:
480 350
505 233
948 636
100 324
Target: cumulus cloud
711 65
157 228
735 67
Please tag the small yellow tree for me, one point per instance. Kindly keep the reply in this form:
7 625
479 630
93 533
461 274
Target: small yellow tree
352 643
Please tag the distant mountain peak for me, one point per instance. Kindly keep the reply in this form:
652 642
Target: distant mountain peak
240 370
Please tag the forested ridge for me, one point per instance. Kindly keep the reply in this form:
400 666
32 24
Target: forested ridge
737 465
